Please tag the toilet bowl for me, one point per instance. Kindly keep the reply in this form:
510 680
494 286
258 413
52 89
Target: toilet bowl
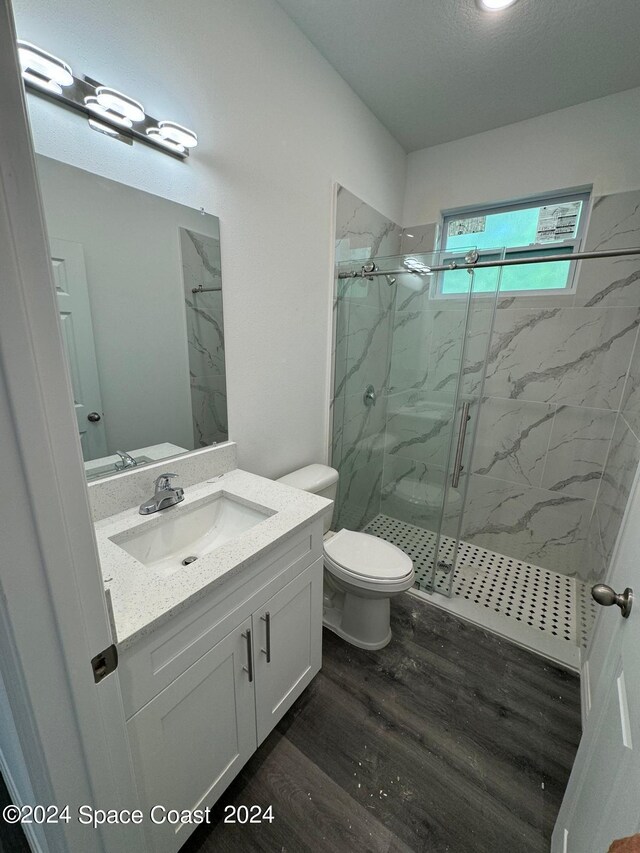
361 572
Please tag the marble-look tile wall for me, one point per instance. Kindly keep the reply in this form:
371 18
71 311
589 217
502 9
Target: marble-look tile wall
205 337
363 317
555 453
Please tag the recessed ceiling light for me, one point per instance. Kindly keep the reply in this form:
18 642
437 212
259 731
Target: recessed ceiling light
495 5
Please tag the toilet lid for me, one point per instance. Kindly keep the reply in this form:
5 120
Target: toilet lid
367 556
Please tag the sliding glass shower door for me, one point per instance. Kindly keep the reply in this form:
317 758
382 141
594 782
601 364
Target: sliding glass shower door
410 361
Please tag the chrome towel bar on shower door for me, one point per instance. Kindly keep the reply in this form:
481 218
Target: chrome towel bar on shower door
465 417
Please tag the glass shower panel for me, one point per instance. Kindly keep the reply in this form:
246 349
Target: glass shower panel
407 358
363 322
426 360
478 308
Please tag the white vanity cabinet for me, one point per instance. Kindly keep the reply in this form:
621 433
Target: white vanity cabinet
191 740
205 689
288 646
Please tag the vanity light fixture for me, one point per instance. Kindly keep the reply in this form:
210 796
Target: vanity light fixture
107 110
92 103
116 102
177 134
495 5
43 69
153 133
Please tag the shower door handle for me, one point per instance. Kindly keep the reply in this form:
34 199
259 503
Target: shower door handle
465 417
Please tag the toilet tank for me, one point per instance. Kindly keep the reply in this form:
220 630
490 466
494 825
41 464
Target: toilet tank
318 479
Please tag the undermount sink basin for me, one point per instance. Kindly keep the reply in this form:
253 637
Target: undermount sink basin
180 535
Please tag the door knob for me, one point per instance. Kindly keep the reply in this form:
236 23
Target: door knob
94 417
607 596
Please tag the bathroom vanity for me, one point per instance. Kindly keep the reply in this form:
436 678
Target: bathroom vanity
213 652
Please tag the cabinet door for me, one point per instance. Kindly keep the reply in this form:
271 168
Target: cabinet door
192 739
288 646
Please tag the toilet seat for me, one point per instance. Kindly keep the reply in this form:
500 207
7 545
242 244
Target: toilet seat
367 561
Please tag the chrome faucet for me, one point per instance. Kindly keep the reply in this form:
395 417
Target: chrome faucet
126 461
164 496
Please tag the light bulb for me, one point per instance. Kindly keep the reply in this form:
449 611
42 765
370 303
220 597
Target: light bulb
155 136
177 133
34 58
91 103
113 100
41 83
495 5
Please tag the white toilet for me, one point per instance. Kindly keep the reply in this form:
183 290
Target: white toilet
361 572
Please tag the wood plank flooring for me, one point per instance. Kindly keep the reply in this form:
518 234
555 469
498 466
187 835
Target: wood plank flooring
450 739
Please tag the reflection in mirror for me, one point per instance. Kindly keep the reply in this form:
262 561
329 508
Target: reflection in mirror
139 288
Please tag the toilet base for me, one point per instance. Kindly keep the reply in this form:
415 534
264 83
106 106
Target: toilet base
363 622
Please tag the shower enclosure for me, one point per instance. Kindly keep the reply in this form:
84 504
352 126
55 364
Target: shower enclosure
472 428
409 379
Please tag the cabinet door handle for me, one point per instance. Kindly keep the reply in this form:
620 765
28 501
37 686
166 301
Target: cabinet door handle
249 668
267 620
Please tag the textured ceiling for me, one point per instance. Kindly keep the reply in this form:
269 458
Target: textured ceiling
437 70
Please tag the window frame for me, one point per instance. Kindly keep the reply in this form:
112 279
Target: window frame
569 246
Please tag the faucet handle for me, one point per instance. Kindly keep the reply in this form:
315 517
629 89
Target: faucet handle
164 481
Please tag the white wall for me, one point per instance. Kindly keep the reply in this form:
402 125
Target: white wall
277 126
592 143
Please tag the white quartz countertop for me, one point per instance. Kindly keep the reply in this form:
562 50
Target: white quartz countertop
141 598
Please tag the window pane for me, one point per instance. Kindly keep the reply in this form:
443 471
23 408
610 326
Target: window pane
521 231
459 281
546 276
549 223
536 277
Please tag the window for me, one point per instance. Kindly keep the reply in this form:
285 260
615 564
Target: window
547 226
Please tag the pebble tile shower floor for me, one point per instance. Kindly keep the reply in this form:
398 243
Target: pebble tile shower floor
531 595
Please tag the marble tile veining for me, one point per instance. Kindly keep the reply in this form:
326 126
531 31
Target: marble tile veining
577 451
575 356
205 337
617 482
512 439
614 224
531 524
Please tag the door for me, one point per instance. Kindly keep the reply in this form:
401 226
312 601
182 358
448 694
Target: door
70 279
288 646
53 615
461 359
602 801
193 738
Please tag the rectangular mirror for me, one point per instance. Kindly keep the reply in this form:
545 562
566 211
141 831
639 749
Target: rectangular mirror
139 288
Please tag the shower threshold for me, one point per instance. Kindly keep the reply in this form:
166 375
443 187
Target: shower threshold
537 608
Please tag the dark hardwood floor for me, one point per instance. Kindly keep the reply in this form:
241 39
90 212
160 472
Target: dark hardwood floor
450 739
